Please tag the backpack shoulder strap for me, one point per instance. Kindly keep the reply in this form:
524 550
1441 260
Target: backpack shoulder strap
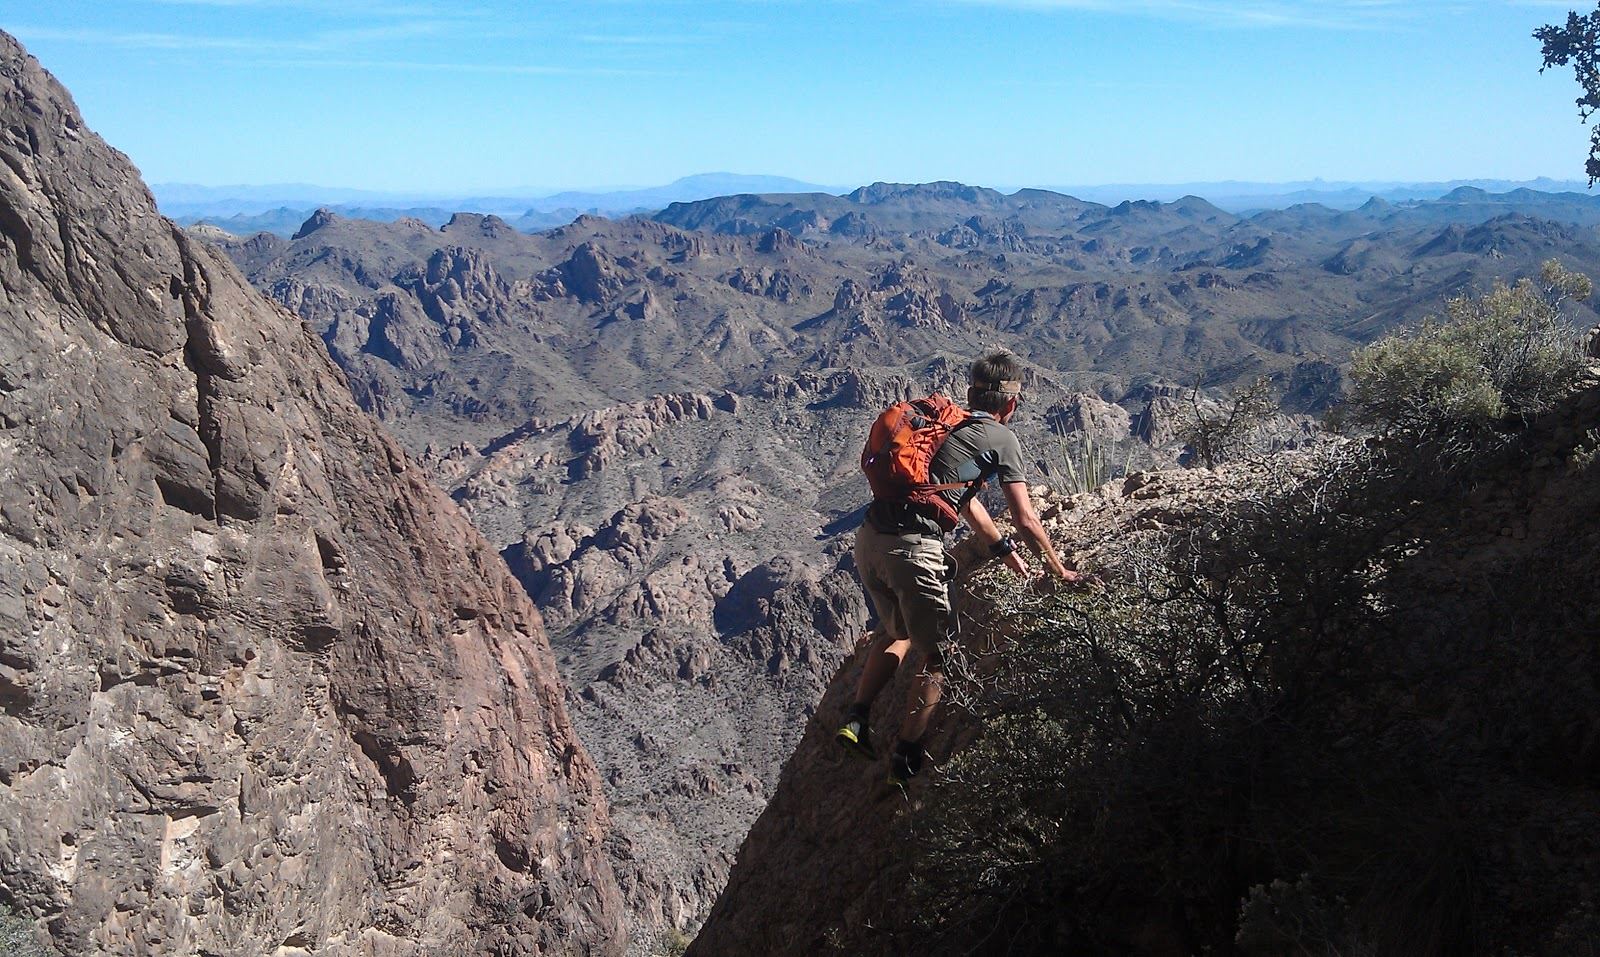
988 464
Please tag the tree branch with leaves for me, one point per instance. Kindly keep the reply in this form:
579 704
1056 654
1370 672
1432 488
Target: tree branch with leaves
1577 44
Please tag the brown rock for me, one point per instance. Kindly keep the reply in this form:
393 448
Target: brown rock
264 688
602 436
1086 414
1164 418
590 274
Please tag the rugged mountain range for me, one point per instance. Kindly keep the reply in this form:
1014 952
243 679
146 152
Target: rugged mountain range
724 293
245 210
263 689
286 220
657 419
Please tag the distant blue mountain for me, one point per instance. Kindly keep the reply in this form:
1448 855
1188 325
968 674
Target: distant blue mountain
685 190
190 203
1237 197
281 208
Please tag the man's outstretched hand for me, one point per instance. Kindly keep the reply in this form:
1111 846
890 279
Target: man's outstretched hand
1016 563
1065 578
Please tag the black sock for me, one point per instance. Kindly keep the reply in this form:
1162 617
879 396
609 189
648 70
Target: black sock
859 712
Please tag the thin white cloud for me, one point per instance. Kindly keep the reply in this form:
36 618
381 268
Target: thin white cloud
324 41
299 54
428 66
344 8
1325 14
145 40
639 40
402 30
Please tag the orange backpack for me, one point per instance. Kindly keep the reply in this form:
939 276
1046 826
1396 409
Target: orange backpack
900 448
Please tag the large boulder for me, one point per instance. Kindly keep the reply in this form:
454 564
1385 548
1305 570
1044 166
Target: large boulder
262 687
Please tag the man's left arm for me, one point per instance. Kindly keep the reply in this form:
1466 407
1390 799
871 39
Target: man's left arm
1032 530
983 527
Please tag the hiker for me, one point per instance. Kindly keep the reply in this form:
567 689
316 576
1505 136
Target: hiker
901 558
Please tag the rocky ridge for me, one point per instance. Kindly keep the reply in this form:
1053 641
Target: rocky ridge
263 687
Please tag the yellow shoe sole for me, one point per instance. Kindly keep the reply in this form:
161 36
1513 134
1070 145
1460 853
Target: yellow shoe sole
855 745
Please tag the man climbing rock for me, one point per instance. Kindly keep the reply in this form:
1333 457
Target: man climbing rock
900 552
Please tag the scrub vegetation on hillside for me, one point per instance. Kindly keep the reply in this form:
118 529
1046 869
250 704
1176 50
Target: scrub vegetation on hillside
1346 708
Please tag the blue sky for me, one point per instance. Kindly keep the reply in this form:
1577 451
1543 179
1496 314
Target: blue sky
483 94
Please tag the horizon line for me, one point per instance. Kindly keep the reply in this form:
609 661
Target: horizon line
540 192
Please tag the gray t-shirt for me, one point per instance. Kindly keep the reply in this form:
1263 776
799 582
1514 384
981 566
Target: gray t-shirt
957 459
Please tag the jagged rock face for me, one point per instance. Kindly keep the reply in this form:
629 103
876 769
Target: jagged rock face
1091 416
590 274
902 313
262 687
1161 421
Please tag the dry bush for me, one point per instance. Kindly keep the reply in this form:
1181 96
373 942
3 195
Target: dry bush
1265 733
1506 354
1124 718
1238 426
16 936
1304 722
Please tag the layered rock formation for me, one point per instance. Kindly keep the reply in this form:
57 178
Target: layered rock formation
263 689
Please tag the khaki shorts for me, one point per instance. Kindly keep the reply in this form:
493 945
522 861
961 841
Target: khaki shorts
907 577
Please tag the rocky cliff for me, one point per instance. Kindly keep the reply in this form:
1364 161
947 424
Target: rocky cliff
263 689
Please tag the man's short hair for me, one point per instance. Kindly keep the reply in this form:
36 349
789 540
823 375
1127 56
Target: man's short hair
994 380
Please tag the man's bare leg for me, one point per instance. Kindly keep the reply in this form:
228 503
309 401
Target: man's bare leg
880 668
925 695
883 658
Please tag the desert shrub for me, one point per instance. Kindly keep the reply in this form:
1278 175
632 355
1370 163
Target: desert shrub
16 936
1277 729
1587 451
1505 354
1124 720
673 943
1236 426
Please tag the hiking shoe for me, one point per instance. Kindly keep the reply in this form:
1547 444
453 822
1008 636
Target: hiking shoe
856 738
905 763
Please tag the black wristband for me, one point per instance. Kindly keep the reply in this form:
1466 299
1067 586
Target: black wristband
1003 547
